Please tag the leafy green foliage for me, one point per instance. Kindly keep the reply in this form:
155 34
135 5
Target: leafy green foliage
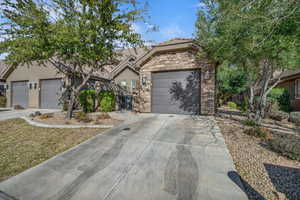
259 37
232 105
250 122
87 100
231 82
257 131
107 101
282 97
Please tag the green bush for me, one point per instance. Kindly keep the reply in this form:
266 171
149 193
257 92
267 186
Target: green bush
250 122
288 145
87 100
232 105
257 131
106 101
2 101
281 96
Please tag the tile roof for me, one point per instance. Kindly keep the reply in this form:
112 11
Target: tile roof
290 73
174 41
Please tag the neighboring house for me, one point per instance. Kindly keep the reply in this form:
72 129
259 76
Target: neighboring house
125 73
2 81
165 78
291 81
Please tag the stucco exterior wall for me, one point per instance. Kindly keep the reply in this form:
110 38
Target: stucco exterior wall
34 73
126 75
178 60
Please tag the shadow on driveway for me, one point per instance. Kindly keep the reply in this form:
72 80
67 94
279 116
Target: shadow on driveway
248 189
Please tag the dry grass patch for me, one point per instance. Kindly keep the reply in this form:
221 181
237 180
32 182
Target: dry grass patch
23 146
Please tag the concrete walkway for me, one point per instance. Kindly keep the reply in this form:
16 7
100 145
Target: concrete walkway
11 114
149 157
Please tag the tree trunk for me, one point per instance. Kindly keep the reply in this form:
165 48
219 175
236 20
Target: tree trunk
71 105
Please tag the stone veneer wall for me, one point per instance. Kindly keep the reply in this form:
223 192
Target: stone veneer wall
177 60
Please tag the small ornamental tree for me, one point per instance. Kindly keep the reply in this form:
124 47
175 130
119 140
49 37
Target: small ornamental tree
261 37
77 37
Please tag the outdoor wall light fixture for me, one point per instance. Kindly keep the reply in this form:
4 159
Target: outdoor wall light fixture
6 86
144 81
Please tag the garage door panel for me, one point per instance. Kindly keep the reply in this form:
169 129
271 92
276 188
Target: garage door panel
20 94
50 93
168 85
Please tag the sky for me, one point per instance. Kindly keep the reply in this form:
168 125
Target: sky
175 18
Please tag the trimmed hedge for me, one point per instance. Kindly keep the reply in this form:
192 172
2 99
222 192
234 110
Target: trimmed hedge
107 101
90 101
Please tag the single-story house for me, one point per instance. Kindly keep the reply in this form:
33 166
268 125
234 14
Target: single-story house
2 81
165 78
291 81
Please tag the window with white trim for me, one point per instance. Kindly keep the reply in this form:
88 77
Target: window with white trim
133 84
123 83
297 89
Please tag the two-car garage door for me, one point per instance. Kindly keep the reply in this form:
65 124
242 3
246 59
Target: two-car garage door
176 92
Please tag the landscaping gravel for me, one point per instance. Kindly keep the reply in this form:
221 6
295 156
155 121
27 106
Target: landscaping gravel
266 174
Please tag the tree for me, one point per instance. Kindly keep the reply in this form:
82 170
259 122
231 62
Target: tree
231 82
78 37
258 36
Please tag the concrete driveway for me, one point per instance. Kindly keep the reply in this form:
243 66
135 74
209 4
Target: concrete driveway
150 157
10 114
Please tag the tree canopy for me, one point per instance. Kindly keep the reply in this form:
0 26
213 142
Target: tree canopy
261 37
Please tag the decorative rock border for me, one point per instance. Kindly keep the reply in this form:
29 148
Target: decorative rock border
42 125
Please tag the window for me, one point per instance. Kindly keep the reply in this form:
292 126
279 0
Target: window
133 84
123 83
297 89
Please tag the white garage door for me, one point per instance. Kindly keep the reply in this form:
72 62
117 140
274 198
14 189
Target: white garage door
50 93
20 93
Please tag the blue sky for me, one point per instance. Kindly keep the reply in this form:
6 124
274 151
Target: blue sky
175 18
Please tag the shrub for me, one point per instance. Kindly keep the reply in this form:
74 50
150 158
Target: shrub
82 117
295 118
106 101
259 132
232 105
279 115
250 122
287 145
46 116
87 100
2 101
282 97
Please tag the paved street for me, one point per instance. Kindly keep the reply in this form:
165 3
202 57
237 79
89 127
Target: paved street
149 157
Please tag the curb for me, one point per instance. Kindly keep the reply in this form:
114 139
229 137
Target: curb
42 125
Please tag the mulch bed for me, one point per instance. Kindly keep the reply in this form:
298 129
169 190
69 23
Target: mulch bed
58 118
265 173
